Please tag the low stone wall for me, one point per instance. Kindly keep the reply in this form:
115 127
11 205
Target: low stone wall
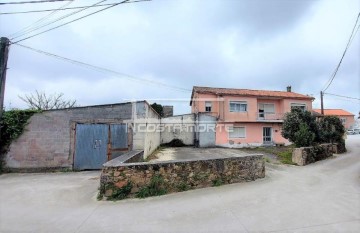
120 179
306 155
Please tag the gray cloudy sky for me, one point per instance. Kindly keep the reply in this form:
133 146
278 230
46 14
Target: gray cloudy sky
257 44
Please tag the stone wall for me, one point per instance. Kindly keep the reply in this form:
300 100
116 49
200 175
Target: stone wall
306 155
130 179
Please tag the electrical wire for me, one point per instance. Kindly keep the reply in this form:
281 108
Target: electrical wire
26 2
66 8
70 21
54 21
28 28
103 70
341 99
353 33
347 97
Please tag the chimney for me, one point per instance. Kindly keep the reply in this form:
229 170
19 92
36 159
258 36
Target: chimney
288 88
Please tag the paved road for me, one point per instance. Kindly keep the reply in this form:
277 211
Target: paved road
322 197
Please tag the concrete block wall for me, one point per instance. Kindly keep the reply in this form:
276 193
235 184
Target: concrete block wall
178 127
152 135
48 140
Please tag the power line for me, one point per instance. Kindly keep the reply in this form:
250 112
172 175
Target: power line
347 97
122 2
66 8
341 99
353 33
102 69
26 2
27 28
54 21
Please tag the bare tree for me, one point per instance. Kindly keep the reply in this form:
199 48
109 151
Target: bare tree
41 101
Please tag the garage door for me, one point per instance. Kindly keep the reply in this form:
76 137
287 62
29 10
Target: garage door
97 143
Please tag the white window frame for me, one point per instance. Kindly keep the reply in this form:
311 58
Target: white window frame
240 103
301 105
273 112
206 106
231 128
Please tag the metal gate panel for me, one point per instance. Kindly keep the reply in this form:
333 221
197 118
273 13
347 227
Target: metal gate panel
91 146
119 140
119 136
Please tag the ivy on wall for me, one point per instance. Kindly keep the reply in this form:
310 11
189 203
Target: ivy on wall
12 124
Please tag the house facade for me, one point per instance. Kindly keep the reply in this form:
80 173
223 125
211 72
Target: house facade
347 118
247 117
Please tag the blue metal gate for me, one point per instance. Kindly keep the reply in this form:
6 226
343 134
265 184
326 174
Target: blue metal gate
97 143
119 140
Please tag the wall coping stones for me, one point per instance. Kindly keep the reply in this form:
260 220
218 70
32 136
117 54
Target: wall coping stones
118 161
126 159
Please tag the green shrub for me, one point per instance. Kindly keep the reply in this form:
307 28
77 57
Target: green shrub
12 125
183 187
298 120
119 193
304 137
331 129
155 188
217 182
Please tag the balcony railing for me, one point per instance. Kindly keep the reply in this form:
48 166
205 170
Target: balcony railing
262 116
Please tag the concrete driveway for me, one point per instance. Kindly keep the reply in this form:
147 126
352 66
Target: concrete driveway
322 197
183 153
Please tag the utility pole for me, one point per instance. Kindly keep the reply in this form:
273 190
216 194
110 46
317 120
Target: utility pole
322 102
4 52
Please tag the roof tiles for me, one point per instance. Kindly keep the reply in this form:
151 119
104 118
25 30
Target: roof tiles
247 92
334 112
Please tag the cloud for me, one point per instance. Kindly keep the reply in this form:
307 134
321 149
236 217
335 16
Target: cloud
243 44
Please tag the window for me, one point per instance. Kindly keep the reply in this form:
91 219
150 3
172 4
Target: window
236 132
237 106
267 108
301 106
208 106
343 120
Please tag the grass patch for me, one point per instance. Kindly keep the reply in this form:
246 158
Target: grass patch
155 188
283 153
266 159
286 157
217 182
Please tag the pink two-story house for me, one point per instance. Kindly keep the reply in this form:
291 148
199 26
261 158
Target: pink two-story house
247 117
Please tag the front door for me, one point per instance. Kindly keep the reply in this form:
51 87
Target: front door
267 135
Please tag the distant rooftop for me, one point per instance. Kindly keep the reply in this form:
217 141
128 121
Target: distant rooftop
334 112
